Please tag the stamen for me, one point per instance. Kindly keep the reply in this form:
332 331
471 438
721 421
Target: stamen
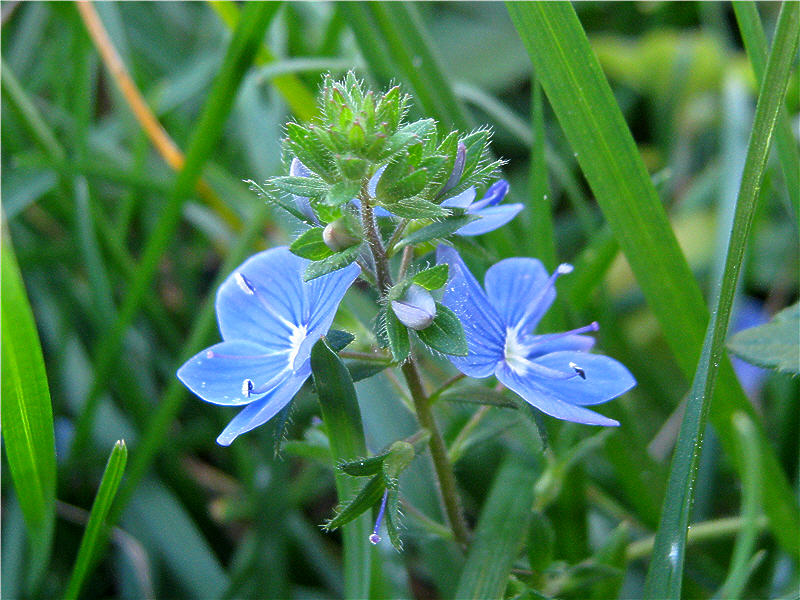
561 269
593 326
374 538
577 369
247 387
244 284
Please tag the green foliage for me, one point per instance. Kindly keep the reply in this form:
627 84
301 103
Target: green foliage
772 345
310 245
446 333
432 278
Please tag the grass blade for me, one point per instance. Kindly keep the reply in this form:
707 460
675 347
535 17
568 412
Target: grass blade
246 40
27 416
94 537
755 43
501 532
665 575
595 128
340 411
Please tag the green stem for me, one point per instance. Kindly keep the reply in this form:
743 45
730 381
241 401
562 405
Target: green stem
422 406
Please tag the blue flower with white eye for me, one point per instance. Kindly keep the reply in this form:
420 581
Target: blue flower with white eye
269 319
553 372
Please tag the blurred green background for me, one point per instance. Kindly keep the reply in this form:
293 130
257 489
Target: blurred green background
87 199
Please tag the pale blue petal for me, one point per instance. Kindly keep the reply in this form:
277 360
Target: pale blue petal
496 192
325 294
491 218
298 169
462 200
606 378
218 373
482 325
269 304
553 342
543 398
263 410
518 290
372 186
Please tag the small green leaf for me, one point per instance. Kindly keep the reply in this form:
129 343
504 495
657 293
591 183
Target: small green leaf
415 208
363 467
334 262
392 518
433 278
353 168
445 334
309 187
435 231
95 535
478 394
339 340
397 336
369 495
406 136
364 369
282 420
773 345
310 245
341 192
307 146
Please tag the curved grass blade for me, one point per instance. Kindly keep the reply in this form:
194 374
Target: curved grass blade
94 537
595 128
665 575
27 416
342 417
755 43
501 532
242 49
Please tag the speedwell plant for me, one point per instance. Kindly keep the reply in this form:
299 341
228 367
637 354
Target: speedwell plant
383 200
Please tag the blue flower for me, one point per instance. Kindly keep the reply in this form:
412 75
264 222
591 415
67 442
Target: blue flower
269 319
487 208
553 372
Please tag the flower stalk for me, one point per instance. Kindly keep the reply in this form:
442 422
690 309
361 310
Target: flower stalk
444 470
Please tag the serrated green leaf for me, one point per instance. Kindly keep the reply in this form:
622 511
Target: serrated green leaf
341 192
412 133
392 517
308 146
289 207
433 278
27 415
334 262
338 340
364 369
281 420
353 168
310 245
397 336
435 231
445 334
309 187
369 495
415 208
774 345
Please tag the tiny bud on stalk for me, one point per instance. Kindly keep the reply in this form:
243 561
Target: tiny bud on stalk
416 309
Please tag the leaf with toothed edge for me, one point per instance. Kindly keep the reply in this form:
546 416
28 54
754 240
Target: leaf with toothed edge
310 245
393 516
334 262
445 334
397 336
364 369
309 187
434 231
369 495
363 467
282 421
432 278
338 340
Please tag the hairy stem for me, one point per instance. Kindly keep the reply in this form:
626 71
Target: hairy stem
444 470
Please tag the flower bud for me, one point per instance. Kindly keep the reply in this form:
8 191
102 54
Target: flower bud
416 309
458 168
340 234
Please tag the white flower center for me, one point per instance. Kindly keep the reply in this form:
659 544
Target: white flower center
296 339
516 351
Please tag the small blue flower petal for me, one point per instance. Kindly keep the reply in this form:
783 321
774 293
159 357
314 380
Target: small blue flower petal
263 410
483 326
298 169
606 378
462 200
519 291
491 218
496 192
219 373
545 400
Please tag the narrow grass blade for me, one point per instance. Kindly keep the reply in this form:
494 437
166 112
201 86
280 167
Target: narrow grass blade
94 537
755 43
342 417
595 128
665 575
738 572
246 40
297 95
27 416
501 532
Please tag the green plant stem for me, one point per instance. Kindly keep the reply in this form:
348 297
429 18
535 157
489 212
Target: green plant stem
422 405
